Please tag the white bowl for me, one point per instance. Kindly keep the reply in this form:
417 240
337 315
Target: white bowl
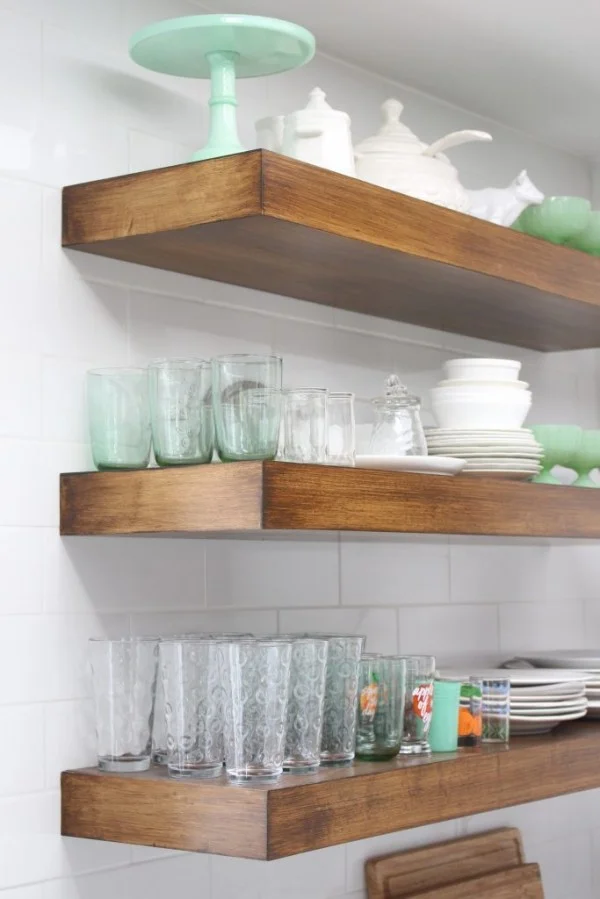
478 391
487 411
511 385
482 369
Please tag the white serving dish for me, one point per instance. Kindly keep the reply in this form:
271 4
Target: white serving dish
440 465
566 658
504 410
457 382
482 369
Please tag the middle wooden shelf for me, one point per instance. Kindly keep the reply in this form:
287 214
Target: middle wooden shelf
262 497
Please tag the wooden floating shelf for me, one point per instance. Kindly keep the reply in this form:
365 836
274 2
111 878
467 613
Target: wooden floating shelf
258 497
264 221
335 806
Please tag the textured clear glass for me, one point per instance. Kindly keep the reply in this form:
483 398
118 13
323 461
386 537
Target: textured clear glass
247 406
257 677
119 418
341 694
382 687
305 705
194 706
420 671
304 426
341 429
159 732
124 680
181 411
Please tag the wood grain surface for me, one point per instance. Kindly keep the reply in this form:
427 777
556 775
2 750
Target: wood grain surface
262 220
249 497
401 874
299 814
524 882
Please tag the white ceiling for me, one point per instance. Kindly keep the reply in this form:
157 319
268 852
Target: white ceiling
530 64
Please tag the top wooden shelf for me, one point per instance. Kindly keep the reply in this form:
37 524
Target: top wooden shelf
264 221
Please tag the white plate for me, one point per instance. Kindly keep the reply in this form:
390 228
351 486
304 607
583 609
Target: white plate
531 726
442 465
491 453
553 699
502 465
520 677
488 432
565 658
568 716
552 691
547 709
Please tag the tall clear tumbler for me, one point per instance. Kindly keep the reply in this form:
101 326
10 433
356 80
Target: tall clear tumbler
341 429
341 694
382 688
191 676
257 677
246 393
306 702
420 671
119 417
124 680
304 426
181 411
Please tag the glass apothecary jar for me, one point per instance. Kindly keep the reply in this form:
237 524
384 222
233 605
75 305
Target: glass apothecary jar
397 429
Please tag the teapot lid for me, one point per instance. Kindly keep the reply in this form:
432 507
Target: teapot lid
318 106
393 136
396 395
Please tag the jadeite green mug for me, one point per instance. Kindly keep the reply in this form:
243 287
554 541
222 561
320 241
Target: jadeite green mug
443 732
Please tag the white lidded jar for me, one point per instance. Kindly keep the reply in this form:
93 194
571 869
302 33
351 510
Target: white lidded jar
395 158
320 135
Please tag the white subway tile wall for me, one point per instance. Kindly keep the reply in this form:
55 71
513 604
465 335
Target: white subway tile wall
75 108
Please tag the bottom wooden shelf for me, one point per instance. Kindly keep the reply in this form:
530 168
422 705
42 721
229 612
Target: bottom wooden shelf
335 806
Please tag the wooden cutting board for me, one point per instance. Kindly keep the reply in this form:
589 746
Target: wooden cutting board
404 873
524 882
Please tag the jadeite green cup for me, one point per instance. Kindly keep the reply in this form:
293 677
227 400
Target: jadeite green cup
443 731
557 219
585 458
560 443
589 239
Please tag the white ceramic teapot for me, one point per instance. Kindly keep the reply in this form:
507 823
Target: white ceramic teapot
320 135
395 158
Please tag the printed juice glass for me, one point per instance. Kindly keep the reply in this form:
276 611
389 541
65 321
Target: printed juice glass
420 671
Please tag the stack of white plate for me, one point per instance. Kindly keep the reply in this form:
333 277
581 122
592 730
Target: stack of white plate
515 455
540 699
585 660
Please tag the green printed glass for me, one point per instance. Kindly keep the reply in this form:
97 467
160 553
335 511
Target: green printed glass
119 418
181 411
382 687
247 406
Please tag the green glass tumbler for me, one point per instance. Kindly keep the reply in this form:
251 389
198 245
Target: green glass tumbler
246 394
119 418
181 411
380 716
443 732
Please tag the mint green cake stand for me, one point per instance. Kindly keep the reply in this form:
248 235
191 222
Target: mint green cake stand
221 47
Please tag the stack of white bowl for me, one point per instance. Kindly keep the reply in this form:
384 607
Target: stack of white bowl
480 408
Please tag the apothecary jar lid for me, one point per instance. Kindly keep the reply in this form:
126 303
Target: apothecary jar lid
396 396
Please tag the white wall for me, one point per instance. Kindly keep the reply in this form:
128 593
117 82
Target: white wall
73 108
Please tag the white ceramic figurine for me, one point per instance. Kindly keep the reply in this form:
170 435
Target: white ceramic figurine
503 205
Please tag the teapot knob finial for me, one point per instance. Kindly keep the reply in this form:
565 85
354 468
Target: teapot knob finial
392 110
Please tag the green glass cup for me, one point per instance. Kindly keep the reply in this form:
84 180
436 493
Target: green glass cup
380 715
588 241
557 219
181 411
246 393
443 731
119 418
560 443
586 458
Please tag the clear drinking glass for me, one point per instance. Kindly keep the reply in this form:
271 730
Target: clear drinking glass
341 429
181 411
382 685
246 395
306 700
119 418
256 680
124 681
304 419
191 676
341 694
420 672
